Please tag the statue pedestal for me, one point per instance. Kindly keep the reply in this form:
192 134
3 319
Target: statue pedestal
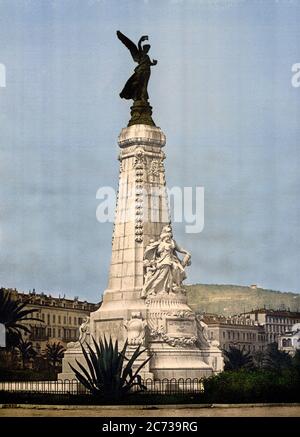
141 113
135 307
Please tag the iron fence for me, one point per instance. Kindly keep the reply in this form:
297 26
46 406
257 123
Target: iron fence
73 387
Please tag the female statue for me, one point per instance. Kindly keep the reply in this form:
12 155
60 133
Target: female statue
136 86
164 270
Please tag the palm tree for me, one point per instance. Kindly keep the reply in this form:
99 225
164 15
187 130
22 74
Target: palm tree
26 351
12 316
107 373
54 353
236 359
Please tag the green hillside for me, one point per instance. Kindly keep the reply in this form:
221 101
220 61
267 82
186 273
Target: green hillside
235 299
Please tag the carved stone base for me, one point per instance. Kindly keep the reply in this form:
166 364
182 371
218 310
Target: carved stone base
172 362
70 357
141 113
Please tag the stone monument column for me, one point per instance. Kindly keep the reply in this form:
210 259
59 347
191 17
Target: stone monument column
141 213
145 302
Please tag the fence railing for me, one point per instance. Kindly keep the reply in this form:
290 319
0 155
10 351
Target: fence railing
73 387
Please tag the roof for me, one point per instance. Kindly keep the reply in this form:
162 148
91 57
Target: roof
276 313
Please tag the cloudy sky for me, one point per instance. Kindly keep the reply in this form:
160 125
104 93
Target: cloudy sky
221 92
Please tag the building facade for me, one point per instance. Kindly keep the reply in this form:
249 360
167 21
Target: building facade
60 317
237 331
275 322
290 341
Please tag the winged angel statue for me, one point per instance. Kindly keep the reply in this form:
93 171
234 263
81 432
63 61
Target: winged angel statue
136 86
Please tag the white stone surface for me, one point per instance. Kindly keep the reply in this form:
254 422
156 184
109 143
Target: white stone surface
158 318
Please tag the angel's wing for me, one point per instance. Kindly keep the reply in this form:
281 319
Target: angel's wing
130 45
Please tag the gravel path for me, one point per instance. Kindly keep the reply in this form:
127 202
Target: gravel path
55 411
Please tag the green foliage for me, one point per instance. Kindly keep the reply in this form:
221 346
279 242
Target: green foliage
296 361
270 376
107 373
12 314
237 359
277 360
26 351
253 386
259 360
54 353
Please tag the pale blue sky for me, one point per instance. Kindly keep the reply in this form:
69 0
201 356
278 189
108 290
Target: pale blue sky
222 94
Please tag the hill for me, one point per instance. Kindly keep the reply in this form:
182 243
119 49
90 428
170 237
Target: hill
235 299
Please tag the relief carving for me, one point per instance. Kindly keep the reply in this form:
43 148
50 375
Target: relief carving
135 329
84 333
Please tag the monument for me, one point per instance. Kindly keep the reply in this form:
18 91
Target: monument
145 301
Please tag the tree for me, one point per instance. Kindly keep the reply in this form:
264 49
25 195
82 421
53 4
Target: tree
236 359
107 373
276 359
259 360
296 360
54 353
26 351
12 316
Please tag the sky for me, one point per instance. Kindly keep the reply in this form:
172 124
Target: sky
222 94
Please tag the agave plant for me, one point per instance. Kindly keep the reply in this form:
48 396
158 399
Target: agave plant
107 374
12 314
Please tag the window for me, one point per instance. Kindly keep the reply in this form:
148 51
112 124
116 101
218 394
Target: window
75 320
53 318
286 342
228 335
54 332
65 320
48 319
223 334
49 332
70 320
43 316
59 320
59 332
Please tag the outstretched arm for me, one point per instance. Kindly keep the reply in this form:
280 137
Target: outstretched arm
187 259
181 249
